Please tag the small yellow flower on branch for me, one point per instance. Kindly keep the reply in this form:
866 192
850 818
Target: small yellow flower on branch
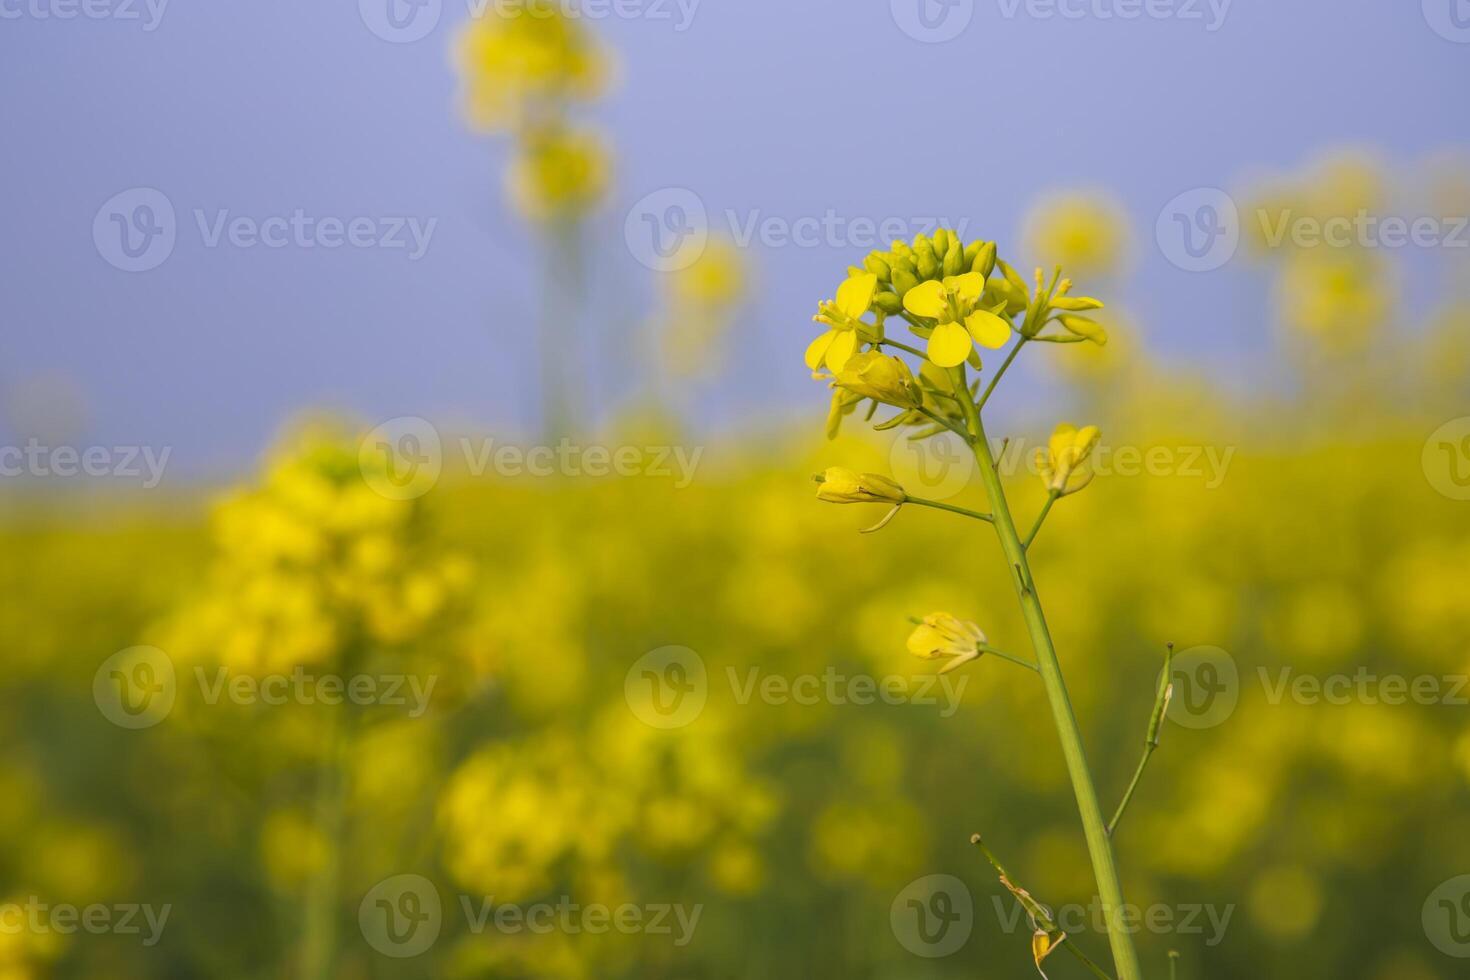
940 635
1064 463
882 377
842 486
841 316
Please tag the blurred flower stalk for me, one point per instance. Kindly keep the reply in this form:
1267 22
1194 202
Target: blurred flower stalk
526 66
955 300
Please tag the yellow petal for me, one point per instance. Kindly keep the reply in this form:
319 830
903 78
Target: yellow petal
988 329
856 295
925 299
949 345
843 346
1061 439
967 287
817 350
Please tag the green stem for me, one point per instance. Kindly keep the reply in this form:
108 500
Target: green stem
1051 499
319 942
1099 846
1151 740
935 417
1010 359
561 300
938 505
1007 657
903 347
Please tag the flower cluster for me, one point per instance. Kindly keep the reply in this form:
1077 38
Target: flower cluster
957 299
524 65
314 564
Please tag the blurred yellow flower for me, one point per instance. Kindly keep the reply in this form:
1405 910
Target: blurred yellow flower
1336 297
1086 233
523 57
559 174
702 300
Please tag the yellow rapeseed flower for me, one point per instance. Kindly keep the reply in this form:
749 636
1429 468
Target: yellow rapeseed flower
841 486
942 636
841 316
1063 464
954 303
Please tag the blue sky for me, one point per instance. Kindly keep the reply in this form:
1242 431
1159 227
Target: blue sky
771 109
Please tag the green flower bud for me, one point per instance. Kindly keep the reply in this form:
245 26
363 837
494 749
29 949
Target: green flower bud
971 251
984 260
954 260
877 266
928 265
941 241
1076 304
890 303
903 280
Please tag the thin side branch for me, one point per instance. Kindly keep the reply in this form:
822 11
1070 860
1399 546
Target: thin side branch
1151 740
940 505
1051 500
1039 913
